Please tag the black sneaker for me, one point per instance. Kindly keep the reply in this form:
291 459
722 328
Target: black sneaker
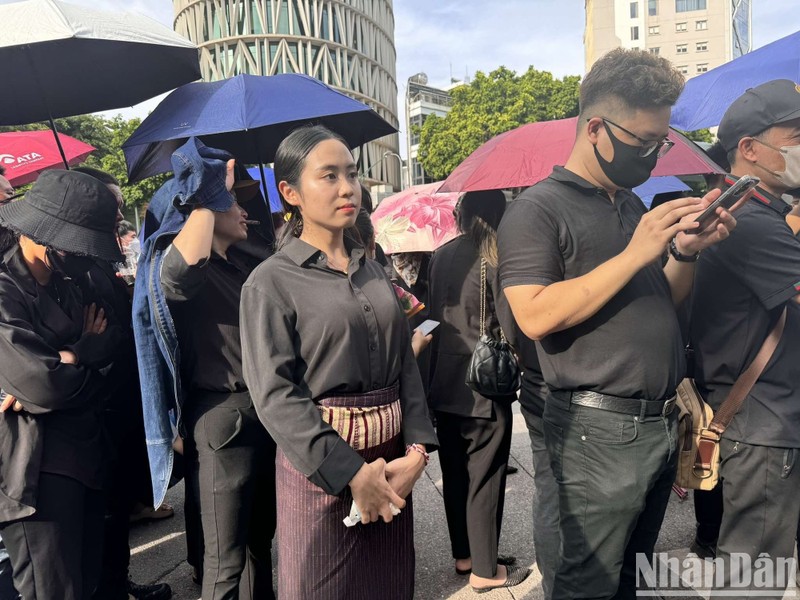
156 591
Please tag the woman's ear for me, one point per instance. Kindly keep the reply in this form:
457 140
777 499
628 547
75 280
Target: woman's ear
289 193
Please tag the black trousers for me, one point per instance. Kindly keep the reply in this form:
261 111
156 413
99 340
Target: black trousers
546 536
474 453
195 546
126 481
615 473
761 497
56 552
7 591
236 489
708 514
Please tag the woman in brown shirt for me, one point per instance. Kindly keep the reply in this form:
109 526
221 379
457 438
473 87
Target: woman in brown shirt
328 361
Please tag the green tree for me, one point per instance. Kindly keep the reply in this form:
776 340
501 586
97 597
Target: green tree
489 105
700 135
107 136
137 195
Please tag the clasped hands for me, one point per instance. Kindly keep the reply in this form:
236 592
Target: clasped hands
378 484
94 322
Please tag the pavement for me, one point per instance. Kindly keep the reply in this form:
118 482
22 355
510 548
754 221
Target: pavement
159 548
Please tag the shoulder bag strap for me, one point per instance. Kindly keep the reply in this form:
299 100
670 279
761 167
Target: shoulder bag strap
483 297
748 379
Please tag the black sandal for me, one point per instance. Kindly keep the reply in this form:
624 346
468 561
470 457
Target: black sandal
514 576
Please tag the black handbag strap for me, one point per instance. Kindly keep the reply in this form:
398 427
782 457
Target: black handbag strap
484 293
483 297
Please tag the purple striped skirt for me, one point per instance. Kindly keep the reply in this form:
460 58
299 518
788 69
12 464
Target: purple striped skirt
319 557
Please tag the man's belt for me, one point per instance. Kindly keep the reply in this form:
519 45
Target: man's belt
628 406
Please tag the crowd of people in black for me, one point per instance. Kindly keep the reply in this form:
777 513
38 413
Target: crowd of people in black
286 382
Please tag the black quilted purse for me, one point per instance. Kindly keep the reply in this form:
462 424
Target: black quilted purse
493 368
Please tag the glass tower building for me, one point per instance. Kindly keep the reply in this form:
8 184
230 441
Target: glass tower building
347 44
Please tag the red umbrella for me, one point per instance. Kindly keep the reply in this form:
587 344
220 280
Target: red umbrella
527 154
25 154
415 220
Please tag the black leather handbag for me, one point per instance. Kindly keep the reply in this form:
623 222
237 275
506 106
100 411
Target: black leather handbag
493 369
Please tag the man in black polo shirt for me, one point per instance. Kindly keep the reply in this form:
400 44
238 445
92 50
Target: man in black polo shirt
741 290
582 265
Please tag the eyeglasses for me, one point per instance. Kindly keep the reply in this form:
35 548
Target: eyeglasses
647 147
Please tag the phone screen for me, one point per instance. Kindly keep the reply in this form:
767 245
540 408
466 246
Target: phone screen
427 326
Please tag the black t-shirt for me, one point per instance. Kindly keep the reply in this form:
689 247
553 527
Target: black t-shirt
741 288
563 228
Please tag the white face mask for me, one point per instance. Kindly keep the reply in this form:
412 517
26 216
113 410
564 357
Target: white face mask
790 176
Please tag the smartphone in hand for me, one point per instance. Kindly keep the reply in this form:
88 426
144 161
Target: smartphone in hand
427 326
728 200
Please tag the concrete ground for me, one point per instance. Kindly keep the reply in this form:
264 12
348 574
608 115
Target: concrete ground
159 549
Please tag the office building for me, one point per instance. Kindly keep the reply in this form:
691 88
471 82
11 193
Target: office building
696 35
422 101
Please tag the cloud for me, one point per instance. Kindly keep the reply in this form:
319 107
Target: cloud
473 35
773 20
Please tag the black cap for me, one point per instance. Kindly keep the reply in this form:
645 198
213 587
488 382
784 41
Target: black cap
759 108
69 211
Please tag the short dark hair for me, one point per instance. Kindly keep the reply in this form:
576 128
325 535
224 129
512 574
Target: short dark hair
101 176
2 170
125 227
733 152
716 152
630 80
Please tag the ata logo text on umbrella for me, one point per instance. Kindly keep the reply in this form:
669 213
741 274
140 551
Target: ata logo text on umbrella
10 159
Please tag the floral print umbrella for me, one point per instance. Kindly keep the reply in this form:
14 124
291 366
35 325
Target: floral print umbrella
415 220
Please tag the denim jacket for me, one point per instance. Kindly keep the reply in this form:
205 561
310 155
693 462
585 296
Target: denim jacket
199 180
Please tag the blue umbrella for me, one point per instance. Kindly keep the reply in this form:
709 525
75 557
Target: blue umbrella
706 97
247 115
271 187
659 185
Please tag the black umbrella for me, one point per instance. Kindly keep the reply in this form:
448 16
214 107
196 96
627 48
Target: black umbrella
66 60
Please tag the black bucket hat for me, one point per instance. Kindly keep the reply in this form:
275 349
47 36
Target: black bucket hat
67 211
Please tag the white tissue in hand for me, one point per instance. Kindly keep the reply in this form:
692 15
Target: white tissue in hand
354 518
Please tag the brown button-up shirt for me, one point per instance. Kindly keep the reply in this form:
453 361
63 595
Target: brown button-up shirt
309 331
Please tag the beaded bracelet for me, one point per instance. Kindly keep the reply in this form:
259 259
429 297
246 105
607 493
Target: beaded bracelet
421 449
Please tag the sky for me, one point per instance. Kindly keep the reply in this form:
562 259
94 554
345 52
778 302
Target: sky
459 37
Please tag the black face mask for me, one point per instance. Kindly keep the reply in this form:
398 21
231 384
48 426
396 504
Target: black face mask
70 266
628 169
